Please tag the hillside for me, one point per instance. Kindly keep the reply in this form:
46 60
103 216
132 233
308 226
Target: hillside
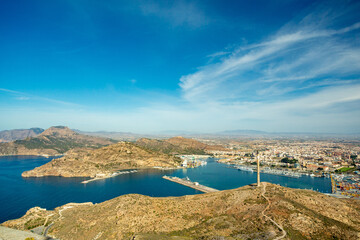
55 140
177 145
19 134
106 160
243 213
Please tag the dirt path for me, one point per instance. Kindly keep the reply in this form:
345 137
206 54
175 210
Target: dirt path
267 217
70 205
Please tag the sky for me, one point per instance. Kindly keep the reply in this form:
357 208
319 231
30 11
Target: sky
197 66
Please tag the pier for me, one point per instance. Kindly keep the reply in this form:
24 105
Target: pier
194 185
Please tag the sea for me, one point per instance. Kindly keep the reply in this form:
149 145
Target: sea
17 194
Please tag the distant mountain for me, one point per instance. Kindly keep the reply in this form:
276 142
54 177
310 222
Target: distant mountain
105 160
19 134
124 136
177 145
266 212
241 132
52 141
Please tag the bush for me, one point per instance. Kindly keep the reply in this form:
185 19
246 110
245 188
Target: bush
287 160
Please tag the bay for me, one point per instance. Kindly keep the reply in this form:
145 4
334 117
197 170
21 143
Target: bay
18 194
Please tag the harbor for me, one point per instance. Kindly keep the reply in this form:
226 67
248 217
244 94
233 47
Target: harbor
280 172
345 185
188 183
57 191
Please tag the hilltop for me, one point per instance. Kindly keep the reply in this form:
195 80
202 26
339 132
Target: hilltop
177 145
52 141
243 213
105 160
19 134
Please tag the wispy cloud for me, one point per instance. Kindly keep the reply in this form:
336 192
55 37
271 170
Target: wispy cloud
25 96
306 73
177 13
288 61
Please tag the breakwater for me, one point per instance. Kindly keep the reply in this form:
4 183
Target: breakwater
188 183
102 176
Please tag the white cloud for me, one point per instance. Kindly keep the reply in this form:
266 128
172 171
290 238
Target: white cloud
306 73
298 56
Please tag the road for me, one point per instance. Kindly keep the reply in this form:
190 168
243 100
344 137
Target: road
267 217
47 229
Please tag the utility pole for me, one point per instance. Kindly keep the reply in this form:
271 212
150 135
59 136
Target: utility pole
258 169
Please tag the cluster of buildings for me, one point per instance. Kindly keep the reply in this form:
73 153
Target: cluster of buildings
345 185
192 161
309 156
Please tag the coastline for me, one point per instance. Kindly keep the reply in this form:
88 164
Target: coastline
100 175
35 155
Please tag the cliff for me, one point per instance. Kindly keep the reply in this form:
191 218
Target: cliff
106 160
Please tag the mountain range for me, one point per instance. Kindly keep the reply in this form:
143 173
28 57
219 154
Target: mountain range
52 141
19 134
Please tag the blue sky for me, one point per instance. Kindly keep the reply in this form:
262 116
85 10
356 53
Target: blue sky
203 66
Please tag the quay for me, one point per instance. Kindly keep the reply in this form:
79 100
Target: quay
194 185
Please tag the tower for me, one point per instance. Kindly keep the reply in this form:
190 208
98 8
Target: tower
258 169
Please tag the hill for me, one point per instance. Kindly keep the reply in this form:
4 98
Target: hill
122 136
52 141
177 145
106 160
243 213
19 134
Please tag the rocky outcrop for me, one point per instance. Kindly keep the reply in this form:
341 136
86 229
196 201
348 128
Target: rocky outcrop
104 161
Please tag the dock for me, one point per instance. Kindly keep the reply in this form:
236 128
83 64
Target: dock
194 185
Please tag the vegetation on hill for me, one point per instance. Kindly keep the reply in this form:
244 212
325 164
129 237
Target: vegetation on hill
105 160
55 140
231 214
176 145
60 144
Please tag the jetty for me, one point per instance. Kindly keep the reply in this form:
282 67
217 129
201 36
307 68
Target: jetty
188 183
105 176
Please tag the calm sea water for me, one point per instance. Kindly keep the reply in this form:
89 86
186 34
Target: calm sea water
18 194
